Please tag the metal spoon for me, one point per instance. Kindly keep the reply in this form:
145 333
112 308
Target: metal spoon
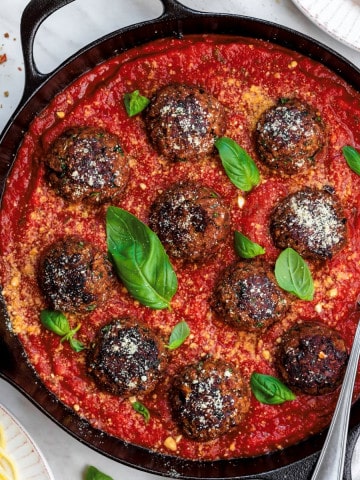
330 465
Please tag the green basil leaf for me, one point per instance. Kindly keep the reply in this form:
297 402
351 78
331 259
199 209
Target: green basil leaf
140 259
140 408
178 335
352 157
293 275
76 345
92 473
135 103
239 166
270 390
245 248
55 321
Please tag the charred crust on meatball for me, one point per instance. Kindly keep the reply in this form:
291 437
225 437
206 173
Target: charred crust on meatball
191 220
126 358
74 275
246 296
209 399
310 221
311 358
87 164
289 135
183 122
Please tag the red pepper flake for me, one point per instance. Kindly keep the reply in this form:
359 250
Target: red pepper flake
3 58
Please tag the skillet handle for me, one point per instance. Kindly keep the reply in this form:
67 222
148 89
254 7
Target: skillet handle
175 9
33 15
36 12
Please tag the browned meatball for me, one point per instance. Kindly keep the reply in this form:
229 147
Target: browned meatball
191 220
183 122
288 136
126 358
74 275
312 358
247 297
310 221
87 164
209 399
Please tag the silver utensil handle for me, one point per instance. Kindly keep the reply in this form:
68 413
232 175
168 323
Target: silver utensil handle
330 465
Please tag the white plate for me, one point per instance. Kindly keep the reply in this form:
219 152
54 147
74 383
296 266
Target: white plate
29 461
338 18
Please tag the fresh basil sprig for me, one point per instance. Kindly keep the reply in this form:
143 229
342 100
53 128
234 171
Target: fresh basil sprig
352 157
239 166
178 335
92 473
140 408
140 259
270 390
245 247
57 323
293 275
135 103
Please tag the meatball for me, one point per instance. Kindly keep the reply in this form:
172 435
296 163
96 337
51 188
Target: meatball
246 296
74 275
312 358
126 358
208 399
87 164
183 122
191 220
288 136
310 221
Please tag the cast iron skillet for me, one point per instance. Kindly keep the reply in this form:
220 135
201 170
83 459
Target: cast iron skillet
296 462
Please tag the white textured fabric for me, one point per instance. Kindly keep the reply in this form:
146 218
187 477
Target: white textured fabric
355 462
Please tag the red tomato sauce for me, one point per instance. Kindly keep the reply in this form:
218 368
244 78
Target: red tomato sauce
246 76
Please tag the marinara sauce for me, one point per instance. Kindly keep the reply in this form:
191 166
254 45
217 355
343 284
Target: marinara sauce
246 76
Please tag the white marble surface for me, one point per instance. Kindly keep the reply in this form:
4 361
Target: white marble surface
59 37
